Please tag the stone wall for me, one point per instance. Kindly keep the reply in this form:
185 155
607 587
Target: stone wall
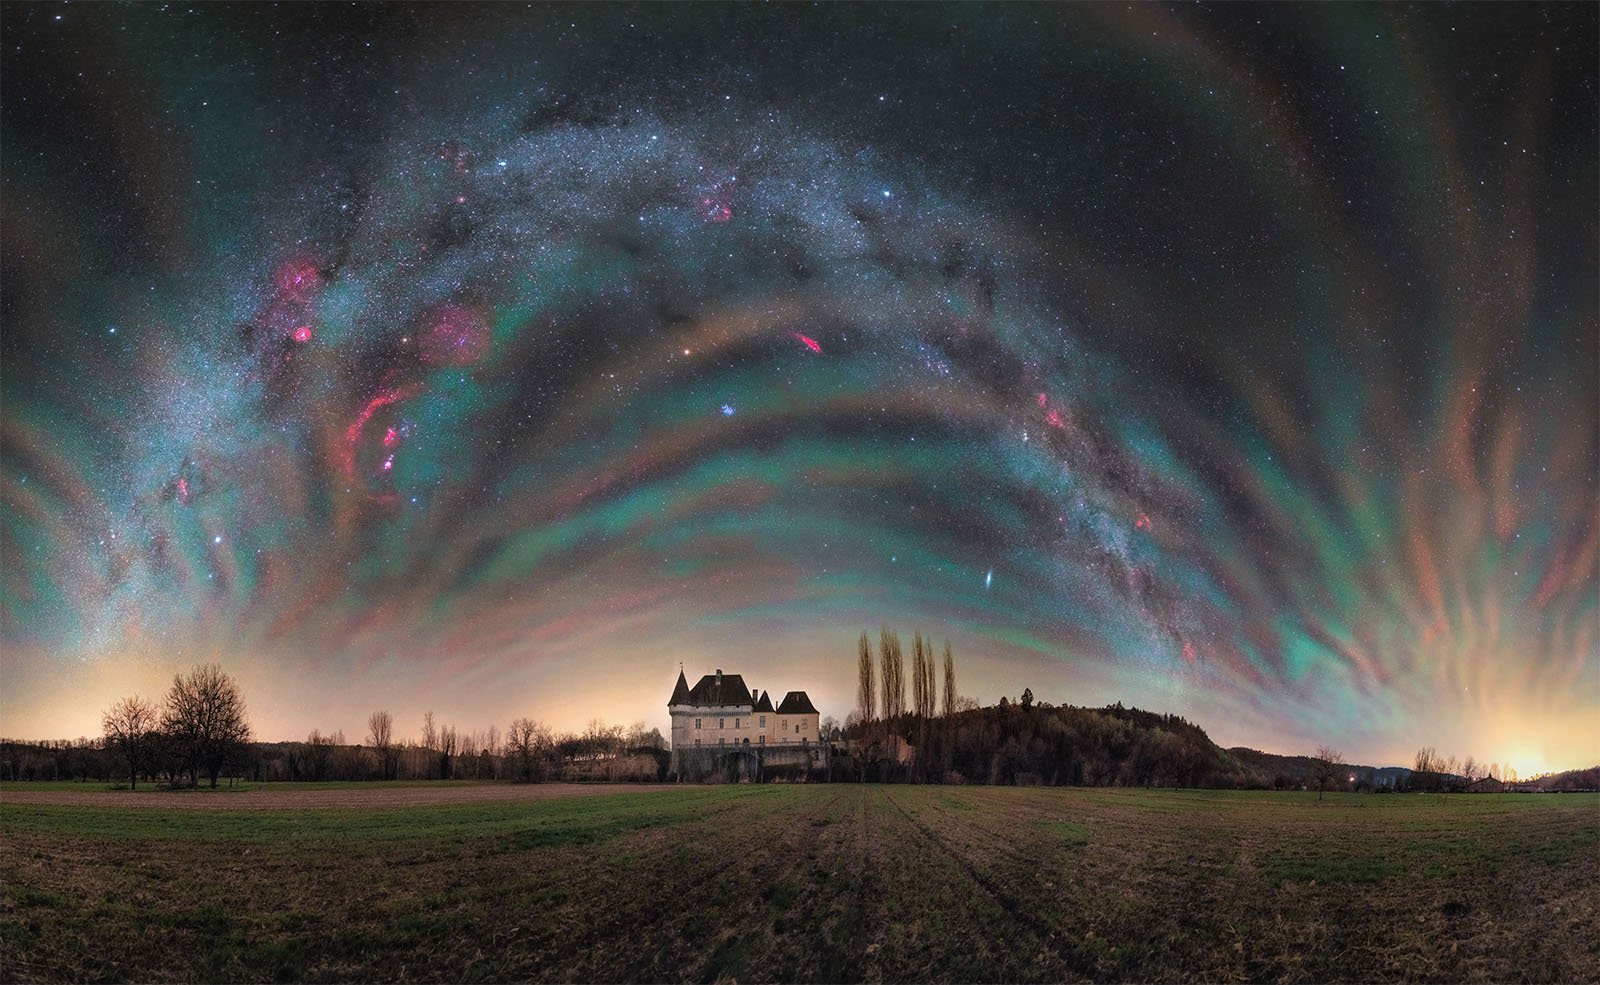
750 764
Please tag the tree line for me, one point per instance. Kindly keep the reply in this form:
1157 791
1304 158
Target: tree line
1022 741
1431 771
943 737
200 729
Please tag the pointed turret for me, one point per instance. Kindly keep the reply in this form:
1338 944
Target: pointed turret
680 694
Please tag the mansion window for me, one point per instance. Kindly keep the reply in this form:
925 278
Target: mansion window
761 740
722 742
697 724
722 723
697 742
763 721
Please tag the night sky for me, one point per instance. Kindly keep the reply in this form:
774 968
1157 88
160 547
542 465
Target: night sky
1234 361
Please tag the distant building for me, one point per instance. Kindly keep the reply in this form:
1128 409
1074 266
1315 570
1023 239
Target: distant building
722 711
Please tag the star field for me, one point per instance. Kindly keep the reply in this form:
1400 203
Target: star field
1235 362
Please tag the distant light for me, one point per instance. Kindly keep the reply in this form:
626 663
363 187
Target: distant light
727 410
988 579
217 539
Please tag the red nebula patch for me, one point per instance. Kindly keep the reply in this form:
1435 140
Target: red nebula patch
457 156
715 210
1053 418
808 342
1188 652
353 433
302 333
1143 523
297 280
1044 401
455 337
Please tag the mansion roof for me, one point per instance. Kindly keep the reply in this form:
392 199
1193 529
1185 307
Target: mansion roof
717 689
796 703
722 690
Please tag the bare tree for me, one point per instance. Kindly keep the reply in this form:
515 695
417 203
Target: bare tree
1470 769
891 662
866 695
1427 761
491 753
526 743
380 732
635 738
949 680
928 686
1326 762
205 720
319 748
919 677
130 727
447 752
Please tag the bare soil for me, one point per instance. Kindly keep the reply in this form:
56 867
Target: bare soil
825 883
302 797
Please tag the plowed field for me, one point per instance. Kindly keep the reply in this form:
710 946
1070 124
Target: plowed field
806 883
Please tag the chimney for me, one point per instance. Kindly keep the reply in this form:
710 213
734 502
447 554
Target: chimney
719 677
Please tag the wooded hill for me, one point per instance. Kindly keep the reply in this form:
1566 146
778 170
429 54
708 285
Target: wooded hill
1063 745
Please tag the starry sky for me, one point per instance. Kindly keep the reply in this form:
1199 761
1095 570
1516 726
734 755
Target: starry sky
1233 361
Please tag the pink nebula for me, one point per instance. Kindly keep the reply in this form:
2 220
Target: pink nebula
297 280
352 433
454 337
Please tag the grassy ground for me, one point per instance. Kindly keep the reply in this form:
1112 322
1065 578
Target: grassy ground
825 883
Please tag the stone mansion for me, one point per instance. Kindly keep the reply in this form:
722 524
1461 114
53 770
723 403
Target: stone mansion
721 711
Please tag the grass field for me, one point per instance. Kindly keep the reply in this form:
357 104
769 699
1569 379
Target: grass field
825 883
